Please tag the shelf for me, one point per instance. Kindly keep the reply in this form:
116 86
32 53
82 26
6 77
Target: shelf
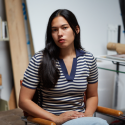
112 63
103 57
6 39
104 64
111 70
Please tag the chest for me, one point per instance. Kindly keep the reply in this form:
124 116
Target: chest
75 83
77 68
68 64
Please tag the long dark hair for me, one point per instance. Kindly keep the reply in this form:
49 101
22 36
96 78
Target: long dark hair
49 73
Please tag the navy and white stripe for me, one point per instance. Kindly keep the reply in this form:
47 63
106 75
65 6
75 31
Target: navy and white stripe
68 93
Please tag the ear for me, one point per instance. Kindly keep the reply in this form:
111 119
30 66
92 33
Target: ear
77 29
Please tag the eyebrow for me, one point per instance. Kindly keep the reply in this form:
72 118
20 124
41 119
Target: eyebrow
61 25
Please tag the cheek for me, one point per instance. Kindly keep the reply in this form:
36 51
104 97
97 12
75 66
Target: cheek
54 37
71 36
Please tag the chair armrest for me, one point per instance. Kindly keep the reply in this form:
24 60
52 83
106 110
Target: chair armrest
40 121
109 111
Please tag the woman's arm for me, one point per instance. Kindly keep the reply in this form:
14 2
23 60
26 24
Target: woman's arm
91 99
26 103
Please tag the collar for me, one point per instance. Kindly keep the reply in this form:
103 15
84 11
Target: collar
79 53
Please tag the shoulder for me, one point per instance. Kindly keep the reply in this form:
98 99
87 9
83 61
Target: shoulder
37 58
31 75
38 55
90 59
88 56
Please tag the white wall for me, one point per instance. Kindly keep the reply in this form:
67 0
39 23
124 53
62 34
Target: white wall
5 62
93 17
5 70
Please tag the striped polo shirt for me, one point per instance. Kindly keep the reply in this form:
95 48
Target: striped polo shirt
68 93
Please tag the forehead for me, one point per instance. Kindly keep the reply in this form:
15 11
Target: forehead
58 21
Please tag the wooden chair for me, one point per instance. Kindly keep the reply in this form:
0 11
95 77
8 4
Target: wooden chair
103 110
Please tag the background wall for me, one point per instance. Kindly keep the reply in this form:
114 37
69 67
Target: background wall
5 62
93 17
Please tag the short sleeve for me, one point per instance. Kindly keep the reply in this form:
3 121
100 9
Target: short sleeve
31 75
93 70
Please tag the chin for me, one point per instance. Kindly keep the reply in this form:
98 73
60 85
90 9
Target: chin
63 47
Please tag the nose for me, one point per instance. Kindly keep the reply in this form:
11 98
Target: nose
60 32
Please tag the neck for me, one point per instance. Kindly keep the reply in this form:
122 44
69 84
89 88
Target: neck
67 52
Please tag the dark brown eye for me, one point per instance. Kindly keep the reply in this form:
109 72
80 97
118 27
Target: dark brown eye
53 30
65 27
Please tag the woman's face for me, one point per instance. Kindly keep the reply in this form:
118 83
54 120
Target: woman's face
62 33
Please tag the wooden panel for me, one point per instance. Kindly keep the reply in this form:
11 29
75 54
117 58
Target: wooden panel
30 37
12 100
18 48
0 79
30 34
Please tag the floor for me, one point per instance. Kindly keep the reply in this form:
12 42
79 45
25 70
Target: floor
11 117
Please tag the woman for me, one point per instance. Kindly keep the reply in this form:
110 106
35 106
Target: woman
61 73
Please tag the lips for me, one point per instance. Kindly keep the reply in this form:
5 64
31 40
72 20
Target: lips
61 40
